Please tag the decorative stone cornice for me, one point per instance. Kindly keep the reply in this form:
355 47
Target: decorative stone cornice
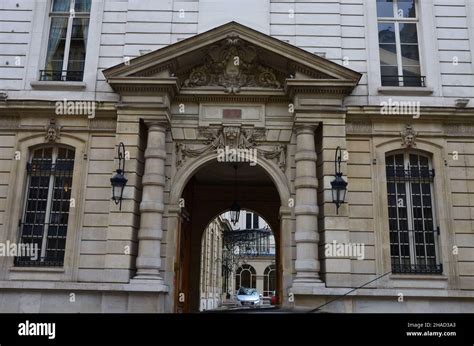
244 96
459 129
294 66
144 85
172 66
448 115
319 86
103 124
10 123
358 127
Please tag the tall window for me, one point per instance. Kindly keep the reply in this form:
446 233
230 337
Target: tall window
67 43
398 43
413 229
269 280
46 212
255 221
251 220
246 276
248 220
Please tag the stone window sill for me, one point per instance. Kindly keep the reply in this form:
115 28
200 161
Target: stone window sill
37 269
57 85
405 91
418 277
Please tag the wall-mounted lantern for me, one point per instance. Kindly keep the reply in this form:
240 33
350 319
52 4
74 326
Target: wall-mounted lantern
338 185
119 181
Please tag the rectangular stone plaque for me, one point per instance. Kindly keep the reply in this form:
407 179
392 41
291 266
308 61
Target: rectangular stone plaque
232 114
243 114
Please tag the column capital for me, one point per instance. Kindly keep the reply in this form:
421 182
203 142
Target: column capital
156 125
304 128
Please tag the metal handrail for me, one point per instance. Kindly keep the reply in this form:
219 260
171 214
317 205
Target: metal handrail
404 81
61 75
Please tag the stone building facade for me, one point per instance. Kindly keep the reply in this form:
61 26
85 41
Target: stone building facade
211 265
176 81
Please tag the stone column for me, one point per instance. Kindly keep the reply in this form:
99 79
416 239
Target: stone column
306 208
152 207
286 254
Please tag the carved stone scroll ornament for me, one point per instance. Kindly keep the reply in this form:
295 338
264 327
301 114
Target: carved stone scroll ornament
233 64
408 136
232 137
278 153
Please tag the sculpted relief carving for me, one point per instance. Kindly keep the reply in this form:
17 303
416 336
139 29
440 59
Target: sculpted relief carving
231 137
53 131
408 136
233 64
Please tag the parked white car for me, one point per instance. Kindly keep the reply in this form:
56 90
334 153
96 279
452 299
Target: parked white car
248 296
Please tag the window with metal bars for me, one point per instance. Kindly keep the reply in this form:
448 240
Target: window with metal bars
413 229
46 211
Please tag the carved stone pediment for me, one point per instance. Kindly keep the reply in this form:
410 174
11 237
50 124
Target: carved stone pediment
233 64
231 60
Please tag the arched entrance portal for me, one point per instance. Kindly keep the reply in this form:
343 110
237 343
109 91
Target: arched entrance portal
208 191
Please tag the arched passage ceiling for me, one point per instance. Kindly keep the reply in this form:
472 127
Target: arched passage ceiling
214 191
231 59
217 173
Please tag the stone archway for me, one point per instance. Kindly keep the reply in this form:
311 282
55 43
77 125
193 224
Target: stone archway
269 198
185 173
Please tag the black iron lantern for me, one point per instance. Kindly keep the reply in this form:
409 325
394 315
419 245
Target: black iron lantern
119 181
235 207
338 185
235 213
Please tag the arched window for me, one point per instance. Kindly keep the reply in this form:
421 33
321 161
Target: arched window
269 280
46 211
412 223
246 276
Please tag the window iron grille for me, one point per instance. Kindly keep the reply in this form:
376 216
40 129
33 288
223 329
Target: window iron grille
45 220
404 81
61 75
414 235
